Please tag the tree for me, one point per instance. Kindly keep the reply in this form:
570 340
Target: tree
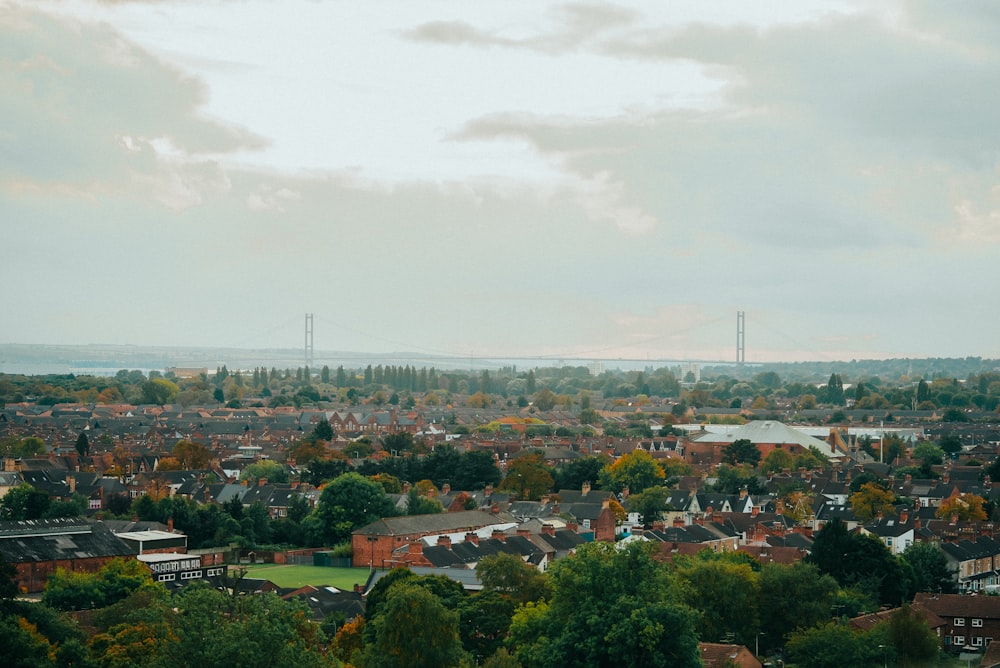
950 443
872 500
349 502
24 502
512 578
159 391
858 561
573 474
741 451
911 637
267 469
792 596
545 399
636 470
966 507
398 442
78 590
929 569
776 461
649 503
322 431
83 444
609 607
528 477
414 629
928 454
832 645
726 593
191 456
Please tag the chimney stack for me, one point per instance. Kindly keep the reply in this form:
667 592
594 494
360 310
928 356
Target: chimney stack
472 537
445 489
585 488
445 541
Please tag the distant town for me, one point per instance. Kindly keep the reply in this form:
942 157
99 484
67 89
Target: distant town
804 514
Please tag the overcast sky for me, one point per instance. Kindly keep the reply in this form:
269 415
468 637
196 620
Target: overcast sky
504 179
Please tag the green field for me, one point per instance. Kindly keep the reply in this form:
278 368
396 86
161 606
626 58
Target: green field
299 576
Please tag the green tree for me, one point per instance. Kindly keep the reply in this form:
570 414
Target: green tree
726 593
792 596
159 391
573 474
484 621
741 451
414 629
832 645
83 444
776 461
545 399
929 569
911 638
609 607
348 502
267 469
322 431
509 576
79 590
636 470
857 560
649 503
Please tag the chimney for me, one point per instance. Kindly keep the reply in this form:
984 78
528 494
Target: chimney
904 516
548 530
625 493
499 535
472 537
495 509
585 488
406 488
416 546
488 491
908 477
444 540
555 508
71 480
744 492
523 533
170 524
678 522
605 504
445 489
261 482
573 526
544 500
754 510
946 477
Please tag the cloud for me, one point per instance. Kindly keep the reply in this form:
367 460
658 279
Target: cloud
85 110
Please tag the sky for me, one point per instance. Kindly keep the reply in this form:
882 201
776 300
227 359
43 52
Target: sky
505 179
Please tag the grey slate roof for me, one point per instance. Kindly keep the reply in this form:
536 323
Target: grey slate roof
58 539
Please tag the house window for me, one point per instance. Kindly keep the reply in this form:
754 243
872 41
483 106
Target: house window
169 577
977 622
958 641
960 621
977 641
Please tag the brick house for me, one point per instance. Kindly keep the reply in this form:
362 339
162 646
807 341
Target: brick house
373 545
969 620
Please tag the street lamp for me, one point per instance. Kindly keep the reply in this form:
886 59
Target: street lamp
885 655
756 643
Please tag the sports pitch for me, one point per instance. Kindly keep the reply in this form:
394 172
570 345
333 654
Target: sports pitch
299 576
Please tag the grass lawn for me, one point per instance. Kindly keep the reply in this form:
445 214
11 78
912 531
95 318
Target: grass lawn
298 576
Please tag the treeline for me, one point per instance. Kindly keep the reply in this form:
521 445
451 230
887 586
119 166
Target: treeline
606 605
570 388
